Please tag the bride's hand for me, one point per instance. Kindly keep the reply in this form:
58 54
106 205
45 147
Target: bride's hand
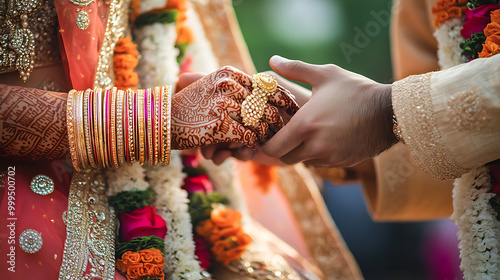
208 112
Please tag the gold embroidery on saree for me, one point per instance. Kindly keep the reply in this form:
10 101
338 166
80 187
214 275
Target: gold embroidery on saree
90 245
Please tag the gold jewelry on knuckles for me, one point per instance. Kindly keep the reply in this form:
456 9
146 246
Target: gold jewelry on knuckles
252 108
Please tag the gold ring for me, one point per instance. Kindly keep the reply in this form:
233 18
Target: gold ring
252 108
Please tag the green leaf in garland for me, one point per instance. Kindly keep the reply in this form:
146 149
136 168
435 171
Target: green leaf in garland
140 243
150 278
495 204
126 202
165 17
182 47
200 205
194 171
472 4
473 46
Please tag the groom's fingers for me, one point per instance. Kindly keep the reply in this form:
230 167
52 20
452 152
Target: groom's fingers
295 70
284 141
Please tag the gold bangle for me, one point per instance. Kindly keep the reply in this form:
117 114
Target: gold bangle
156 130
130 125
80 135
119 126
112 125
86 126
140 117
150 110
100 131
71 132
165 124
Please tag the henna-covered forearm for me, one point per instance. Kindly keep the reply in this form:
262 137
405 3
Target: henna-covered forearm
32 124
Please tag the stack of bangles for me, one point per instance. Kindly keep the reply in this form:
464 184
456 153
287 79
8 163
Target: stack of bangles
109 127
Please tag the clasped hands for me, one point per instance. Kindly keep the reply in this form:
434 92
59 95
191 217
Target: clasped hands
346 119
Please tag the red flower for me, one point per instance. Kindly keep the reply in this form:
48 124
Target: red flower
202 251
477 19
200 183
192 160
141 222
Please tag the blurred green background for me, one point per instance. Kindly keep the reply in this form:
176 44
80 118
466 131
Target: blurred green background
353 34
319 32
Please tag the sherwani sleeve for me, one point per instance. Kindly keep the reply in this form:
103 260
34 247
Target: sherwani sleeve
451 119
399 190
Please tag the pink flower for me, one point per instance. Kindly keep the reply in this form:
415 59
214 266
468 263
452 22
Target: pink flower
192 160
200 183
141 222
202 251
477 19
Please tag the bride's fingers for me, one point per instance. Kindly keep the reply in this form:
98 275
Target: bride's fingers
236 132
232 89
239 76
187 79
273 118
282 98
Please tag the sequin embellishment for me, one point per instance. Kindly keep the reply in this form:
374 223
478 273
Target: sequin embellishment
82 20
467 112
30 241
42 185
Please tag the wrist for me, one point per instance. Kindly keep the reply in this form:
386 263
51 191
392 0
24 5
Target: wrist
388 119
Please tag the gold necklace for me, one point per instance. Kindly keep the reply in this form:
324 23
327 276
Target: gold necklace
17 43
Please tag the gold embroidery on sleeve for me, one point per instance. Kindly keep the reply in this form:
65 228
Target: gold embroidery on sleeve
412 103
467 112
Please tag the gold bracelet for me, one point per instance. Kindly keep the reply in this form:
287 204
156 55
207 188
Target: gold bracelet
113 154
71 132
150 109
120 149
156 130
130 125
87 127
80 132
140 125
95 146
165 125
100 129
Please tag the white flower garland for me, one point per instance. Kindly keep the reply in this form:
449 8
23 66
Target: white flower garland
479 230
126 178
181 262
449 39
149 5
158 63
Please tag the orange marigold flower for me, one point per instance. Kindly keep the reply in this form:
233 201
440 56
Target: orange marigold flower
152 255
128 259
185 34
493 28
225 217
154 270
124 61
231 248
495 16
491 46
126 78
135 272
125 45
205 228
441 17
456 12
180 5
223 233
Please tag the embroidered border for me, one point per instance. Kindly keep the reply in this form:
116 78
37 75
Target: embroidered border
90 243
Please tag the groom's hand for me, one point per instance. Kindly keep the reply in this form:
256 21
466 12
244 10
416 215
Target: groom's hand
347 119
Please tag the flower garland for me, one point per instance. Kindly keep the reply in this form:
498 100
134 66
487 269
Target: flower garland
141 230
218 231
124 62
463 36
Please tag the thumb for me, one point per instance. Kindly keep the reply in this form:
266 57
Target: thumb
295 70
